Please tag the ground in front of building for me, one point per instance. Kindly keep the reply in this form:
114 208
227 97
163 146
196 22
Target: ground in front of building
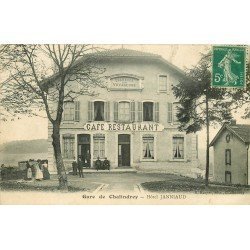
124 182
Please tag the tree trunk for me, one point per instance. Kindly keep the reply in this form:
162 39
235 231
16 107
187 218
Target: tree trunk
207 143
62 176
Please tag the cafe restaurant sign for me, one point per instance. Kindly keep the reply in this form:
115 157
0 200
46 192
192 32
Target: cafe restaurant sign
112 126
125 82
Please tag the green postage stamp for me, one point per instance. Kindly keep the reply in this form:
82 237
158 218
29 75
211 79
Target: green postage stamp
229 66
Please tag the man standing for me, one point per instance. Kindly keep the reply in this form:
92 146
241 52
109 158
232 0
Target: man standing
80 167
74 166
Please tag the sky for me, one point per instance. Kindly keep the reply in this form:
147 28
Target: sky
183 56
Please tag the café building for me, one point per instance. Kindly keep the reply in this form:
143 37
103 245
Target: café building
132 122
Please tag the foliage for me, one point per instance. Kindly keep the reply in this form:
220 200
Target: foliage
192 93
34 68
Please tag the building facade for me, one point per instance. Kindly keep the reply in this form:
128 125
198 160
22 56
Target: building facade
231 154
132 122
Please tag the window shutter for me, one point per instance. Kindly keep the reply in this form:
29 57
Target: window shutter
77 111
90 111
170 112
132 111
115 111
139 105
156 111
107 111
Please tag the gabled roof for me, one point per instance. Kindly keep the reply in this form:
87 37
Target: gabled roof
131 54
124 54
241 131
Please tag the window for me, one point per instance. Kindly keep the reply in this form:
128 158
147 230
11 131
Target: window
124 111
99 146
69 111
148 147
228 156
148 111
178 147
228 177
68 146
176 110
163 83
98 111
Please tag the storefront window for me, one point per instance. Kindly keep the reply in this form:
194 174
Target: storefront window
148 147
148 111
69 111
68 146
178 147
124 111
99 146
98 111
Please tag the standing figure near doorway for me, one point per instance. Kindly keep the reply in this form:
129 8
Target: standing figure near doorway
88 157
80 168
74 166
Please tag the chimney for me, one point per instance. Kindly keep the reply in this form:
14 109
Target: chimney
233 122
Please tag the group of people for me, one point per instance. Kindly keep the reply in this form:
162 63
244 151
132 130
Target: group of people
37 170
78 167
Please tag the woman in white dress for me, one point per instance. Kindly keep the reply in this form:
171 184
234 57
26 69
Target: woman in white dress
39 173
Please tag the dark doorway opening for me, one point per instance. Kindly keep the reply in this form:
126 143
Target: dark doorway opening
123 150
84 155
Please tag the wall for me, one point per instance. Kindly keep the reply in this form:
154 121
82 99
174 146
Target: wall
238 167
150 71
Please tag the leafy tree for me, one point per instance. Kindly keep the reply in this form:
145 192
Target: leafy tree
43 77
200 104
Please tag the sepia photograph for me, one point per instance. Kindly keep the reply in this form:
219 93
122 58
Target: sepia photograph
124 124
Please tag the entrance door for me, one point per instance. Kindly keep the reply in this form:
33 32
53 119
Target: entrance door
123 150
84 150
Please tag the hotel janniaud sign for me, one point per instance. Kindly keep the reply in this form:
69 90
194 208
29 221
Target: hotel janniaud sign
112 126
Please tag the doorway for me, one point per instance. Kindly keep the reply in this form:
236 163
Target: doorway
123 150
84 155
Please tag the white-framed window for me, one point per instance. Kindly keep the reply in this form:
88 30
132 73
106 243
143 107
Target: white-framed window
148 147
178 147
99 145
124 111
163 81
68 146
69 111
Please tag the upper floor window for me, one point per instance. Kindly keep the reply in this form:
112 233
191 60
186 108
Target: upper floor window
124 111
178 147
98 111
148 111
175 112
69 111
163 81
228 156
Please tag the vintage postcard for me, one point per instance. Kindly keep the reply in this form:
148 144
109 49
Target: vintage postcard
124 124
